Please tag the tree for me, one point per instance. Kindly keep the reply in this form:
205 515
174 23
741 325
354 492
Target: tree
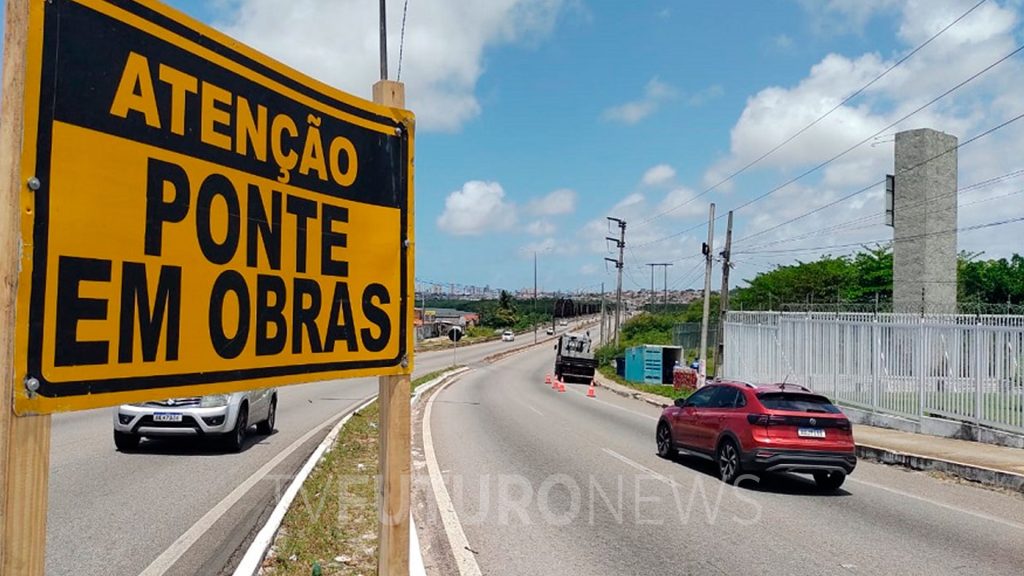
506 315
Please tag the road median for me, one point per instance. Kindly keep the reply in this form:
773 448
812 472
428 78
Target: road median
327 517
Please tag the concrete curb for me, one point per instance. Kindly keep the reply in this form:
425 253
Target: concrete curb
625 392
972 472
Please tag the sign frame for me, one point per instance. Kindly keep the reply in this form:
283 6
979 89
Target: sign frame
39 394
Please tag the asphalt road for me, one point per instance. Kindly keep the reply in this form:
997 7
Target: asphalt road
549 483
114 514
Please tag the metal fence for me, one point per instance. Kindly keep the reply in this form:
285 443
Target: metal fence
687 335
961 367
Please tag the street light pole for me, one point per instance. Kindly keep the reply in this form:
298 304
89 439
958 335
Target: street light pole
535 296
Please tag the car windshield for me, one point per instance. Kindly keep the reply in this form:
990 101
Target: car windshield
797 402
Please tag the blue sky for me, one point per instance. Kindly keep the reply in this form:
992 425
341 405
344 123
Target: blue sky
538 118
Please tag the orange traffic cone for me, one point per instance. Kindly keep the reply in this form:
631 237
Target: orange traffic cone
547 379
561 386
554 383
590 391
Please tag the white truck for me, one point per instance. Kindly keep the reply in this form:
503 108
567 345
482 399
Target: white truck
573 357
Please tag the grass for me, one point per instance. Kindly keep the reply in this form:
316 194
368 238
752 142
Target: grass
665 391
332 522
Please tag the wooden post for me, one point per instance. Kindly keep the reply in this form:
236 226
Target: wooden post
24 441
395 428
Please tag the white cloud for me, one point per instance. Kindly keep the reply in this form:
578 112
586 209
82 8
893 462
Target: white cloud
655 93
550 245
658 175
644 239
844 16
782 42
702 97
445 40
477 208
561 201
682 202
588 269
775 113
540 228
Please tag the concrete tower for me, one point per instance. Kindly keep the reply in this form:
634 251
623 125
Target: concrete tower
924 222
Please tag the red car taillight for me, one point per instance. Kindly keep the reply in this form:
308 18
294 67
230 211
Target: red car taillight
843 424
765 419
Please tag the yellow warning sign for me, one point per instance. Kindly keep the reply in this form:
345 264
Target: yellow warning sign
198 218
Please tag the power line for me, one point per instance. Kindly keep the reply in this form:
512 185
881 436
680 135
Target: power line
882 181
820 118
855 146
401 43
883 130
848 223
887 240
878 214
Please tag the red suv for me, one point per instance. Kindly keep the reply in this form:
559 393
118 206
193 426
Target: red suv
775 428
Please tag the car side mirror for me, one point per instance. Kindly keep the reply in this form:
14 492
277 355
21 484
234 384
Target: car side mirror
680 402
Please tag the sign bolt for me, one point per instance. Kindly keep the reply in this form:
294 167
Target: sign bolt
32 385
405 361
398 131
34 184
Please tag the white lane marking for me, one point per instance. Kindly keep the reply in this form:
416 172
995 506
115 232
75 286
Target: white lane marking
179 547
640 467
599 401
980 515
250 563
464 558
539 413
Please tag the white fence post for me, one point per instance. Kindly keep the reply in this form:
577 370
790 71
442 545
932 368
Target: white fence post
806 332
923 366
978 377
834 333
876 356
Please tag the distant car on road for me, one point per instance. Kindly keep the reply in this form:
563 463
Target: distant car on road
745 428
226 417
563 322
550 331
508 336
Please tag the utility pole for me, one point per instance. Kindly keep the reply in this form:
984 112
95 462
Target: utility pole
665 266
621 241
709 259
535 295
651 299
723 298
600 340
664 279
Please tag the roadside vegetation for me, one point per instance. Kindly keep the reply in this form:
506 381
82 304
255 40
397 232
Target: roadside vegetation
988 286
331 526
510 313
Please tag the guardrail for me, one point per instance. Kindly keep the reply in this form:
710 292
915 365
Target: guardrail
960 367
